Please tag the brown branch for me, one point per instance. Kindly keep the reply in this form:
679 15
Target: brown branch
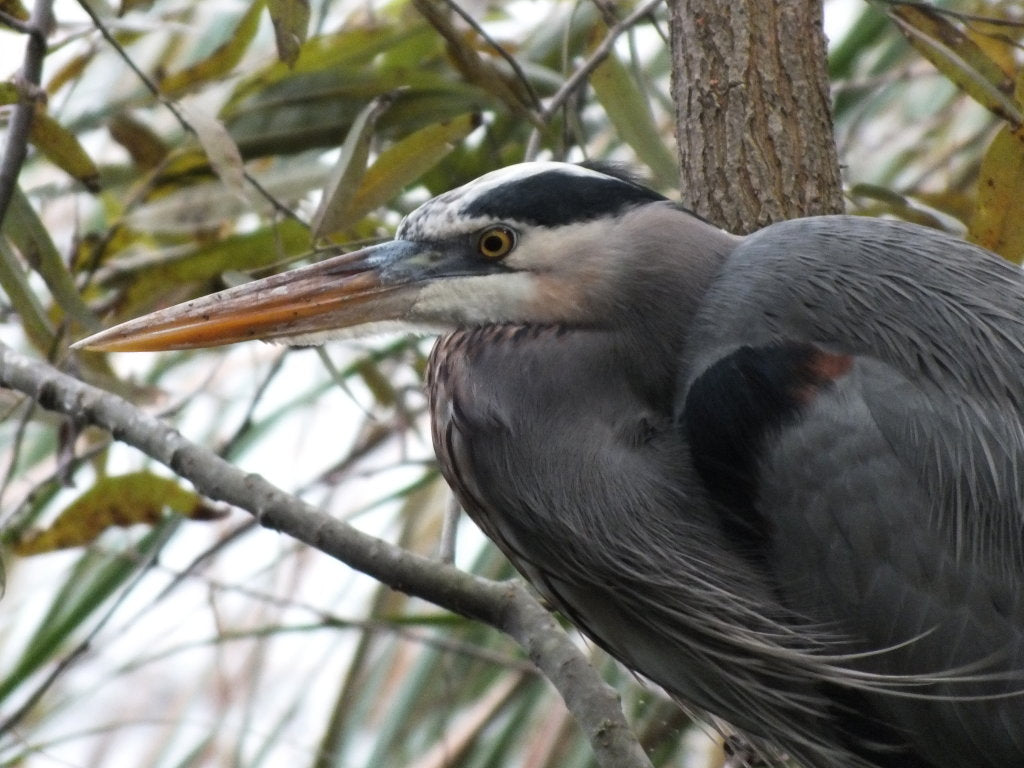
38 26
504 605
473 67
499 49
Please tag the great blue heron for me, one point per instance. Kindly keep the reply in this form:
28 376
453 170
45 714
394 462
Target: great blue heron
780 475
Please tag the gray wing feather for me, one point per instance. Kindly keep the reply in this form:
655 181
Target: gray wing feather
943 315
901 483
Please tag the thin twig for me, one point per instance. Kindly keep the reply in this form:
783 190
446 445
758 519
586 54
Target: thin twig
508 57
600 54
246 424
576 80
15 23
39 23
469 62
173 108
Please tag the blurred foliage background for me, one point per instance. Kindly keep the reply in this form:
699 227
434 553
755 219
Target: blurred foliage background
179 147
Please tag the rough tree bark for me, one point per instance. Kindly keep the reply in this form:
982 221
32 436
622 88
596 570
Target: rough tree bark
753 117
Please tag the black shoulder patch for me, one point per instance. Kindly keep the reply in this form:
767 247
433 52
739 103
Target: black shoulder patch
733 407
555 197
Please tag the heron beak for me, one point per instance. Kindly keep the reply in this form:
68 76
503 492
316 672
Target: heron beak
370 285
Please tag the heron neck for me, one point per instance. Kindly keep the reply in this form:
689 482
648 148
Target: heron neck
661 298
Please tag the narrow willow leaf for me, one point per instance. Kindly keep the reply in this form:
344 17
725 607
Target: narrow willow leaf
61 148
18 293
57 143
32 239
70 72
147 150
357 48
627 108
220 148
349 169
221 61
291 22
866 32
197 266
401 164
959 58
9 93
888 202
122 501
997 223
15 9
183 206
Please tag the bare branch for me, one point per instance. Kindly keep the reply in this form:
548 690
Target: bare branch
504 605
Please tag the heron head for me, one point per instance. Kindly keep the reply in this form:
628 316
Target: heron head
535 243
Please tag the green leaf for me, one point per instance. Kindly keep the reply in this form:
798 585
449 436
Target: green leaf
221 61
30 236
95 578
61 148
180 275
18 292
146 148
349 169
400 165
291 21
629 111
314 109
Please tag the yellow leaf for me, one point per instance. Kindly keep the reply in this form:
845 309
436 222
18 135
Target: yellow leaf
69 73
145 147
14 9
136 498
9 93
998 221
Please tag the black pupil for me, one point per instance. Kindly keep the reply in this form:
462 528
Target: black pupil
493 243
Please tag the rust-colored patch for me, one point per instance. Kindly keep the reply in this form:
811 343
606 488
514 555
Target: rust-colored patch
821 369
830 367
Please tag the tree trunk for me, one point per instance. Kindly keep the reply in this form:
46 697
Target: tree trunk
753 117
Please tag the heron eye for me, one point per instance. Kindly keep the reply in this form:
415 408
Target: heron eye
496 242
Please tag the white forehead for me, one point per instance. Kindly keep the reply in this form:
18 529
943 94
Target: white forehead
443 214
